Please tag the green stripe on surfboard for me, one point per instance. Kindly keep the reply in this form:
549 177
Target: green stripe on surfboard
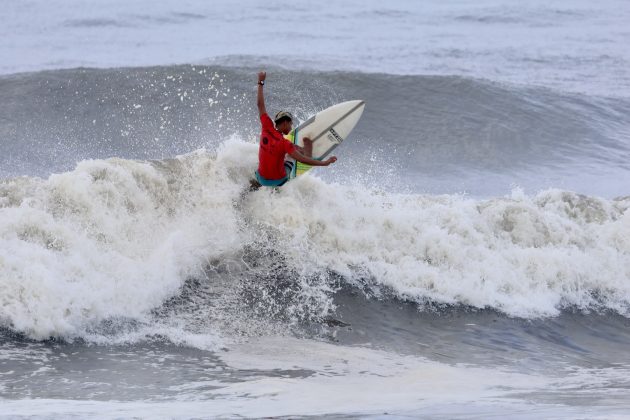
299 168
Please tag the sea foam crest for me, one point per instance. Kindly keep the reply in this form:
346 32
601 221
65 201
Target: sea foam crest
117 238
523 255
112 238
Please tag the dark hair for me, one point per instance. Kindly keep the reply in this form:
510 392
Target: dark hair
281 119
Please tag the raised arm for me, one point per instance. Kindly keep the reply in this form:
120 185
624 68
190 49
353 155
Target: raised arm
261 97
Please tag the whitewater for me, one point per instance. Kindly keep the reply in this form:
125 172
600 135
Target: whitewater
115 238
467 256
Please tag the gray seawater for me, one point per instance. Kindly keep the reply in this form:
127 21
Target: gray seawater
441 134
127 332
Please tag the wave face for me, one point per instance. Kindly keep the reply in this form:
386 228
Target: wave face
119 241
433 134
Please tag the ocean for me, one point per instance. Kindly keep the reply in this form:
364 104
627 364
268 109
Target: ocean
467 256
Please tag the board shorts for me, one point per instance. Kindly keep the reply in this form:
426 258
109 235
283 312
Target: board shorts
288 167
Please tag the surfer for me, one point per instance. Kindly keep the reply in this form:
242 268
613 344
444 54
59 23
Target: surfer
273 171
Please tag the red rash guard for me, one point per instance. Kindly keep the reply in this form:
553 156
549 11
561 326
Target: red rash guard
273 148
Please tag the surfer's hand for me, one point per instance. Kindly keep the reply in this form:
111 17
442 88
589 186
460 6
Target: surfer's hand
262 76
330 160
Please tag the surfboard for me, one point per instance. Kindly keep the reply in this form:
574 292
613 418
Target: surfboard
327 129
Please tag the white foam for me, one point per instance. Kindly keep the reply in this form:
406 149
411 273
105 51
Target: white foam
110 239
523 255
116 238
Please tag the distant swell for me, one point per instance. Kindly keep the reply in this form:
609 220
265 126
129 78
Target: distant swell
438 133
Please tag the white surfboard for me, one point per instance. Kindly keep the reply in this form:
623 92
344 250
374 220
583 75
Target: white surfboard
327 129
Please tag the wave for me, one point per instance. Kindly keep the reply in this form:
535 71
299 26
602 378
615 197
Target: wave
444 133
118 241
110 239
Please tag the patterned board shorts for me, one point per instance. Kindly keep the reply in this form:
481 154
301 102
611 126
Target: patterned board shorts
288 166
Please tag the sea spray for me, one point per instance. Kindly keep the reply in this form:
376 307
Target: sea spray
117 238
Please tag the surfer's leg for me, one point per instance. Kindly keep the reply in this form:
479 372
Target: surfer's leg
254 185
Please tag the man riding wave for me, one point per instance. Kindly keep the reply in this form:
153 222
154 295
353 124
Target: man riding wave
273 171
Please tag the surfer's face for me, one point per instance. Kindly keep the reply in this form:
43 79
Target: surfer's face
285 126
